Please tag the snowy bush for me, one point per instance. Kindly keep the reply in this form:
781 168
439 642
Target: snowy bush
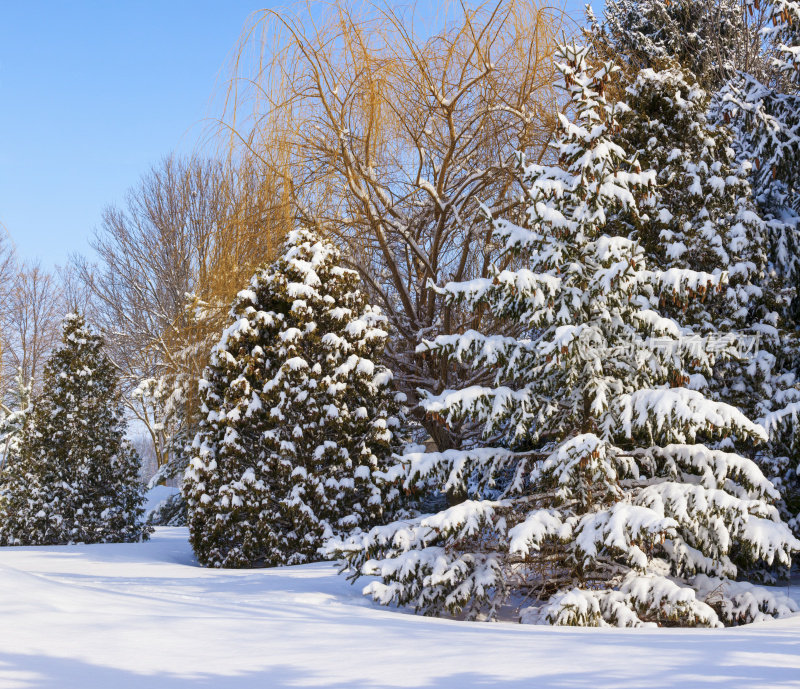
299 416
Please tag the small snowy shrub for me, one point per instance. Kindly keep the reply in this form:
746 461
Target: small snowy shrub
299 416
75 476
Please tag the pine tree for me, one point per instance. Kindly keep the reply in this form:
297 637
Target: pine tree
597 502
75 478
299 416
764 111
705 38
703 216
701 187
707 211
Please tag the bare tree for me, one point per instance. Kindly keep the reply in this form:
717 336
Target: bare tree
169 264
8 273
34 308
31 306
75 293
399 144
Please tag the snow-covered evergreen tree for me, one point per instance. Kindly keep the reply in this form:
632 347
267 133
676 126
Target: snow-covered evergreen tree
598 501
300 415
708 38
702 215
169 512
706 210
75 477
764 110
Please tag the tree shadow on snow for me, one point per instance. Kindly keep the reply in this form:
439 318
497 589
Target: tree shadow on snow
732 661
48 672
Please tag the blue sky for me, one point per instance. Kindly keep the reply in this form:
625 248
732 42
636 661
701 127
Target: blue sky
92 94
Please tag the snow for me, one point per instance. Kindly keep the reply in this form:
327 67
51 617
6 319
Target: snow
539 524
144 615
682 406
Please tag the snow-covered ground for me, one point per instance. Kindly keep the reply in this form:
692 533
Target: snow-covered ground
145 616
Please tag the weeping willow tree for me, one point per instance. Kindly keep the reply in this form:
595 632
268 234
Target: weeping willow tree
391 138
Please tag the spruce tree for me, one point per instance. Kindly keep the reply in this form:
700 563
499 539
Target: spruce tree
75 477
707 38
764 111
703 216
300 415
725 164
767 109
595 500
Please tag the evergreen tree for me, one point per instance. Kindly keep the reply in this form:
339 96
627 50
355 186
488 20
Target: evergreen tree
706 213
764 111
709 39
299 416
75 478
599 502
169 512
767 108
703 216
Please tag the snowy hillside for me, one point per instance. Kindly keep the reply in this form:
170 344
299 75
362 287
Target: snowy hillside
144 615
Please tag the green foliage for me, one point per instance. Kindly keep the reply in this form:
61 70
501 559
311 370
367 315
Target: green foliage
75 477
299 416
594 497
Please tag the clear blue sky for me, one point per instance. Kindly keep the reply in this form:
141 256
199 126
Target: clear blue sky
92 94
